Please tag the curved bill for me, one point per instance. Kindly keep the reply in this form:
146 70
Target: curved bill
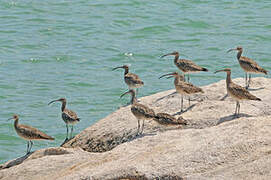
52 102
124 94
166 55
231 50
117 68
10 119
170 74
219 71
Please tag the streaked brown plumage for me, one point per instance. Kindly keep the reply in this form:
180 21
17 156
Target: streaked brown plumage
167 119
248 65
186 66
238 93
68 116
132 80
140 111
29 133
183 88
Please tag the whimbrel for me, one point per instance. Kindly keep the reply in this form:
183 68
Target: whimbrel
183 88
140 111
29 133
132 80
186 66
238 93
248 65
167 119
68 116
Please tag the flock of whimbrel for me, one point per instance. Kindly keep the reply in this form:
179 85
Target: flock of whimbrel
143 112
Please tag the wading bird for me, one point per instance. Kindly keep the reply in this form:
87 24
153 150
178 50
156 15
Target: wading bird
140 111
183 88
29 133
132 80
237 92
186 66
248 65
68 116
167 119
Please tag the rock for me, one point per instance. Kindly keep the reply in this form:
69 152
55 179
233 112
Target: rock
213 146
206 110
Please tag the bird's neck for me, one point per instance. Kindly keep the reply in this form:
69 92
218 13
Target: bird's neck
177 79
176 58
16 122
228 80
126 71
63 106
133 98
239 54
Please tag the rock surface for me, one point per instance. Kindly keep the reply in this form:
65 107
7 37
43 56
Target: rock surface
213 145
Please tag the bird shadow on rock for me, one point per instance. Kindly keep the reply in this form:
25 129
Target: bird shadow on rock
187 109
161 98
231 117
138 136
15 162
255 89
66 141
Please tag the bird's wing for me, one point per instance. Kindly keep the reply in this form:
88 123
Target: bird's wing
133 78
189 88
143 110
189 65
251 64
70 114
33 132
240 92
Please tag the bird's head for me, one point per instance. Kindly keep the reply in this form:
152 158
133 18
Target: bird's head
14 117
174 74
238 48
227 70
174 53
60 99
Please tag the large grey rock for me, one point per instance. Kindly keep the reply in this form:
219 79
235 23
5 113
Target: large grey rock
206 110
214 145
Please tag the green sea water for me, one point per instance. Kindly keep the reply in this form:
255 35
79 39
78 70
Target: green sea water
52 49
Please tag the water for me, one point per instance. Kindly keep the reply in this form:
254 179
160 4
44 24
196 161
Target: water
67 48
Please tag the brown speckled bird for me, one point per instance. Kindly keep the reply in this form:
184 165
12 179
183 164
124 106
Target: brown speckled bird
248 65
167 119
238 93
140 111
68 116
183 88
132 80
29 133
186 66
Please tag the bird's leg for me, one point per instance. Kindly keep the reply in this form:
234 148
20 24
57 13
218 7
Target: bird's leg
249 80
246 79
188 77
136 91
189 100
67 131
236 107
31 144
71 132
138 126
27 147
142 127
182 103
184 77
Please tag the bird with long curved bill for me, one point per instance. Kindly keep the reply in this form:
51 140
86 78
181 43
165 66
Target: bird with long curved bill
248 65
186 66
28 133
140 111
68 116
182 87
237 92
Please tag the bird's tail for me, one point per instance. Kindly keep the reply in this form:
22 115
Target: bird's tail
204 69
78 119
